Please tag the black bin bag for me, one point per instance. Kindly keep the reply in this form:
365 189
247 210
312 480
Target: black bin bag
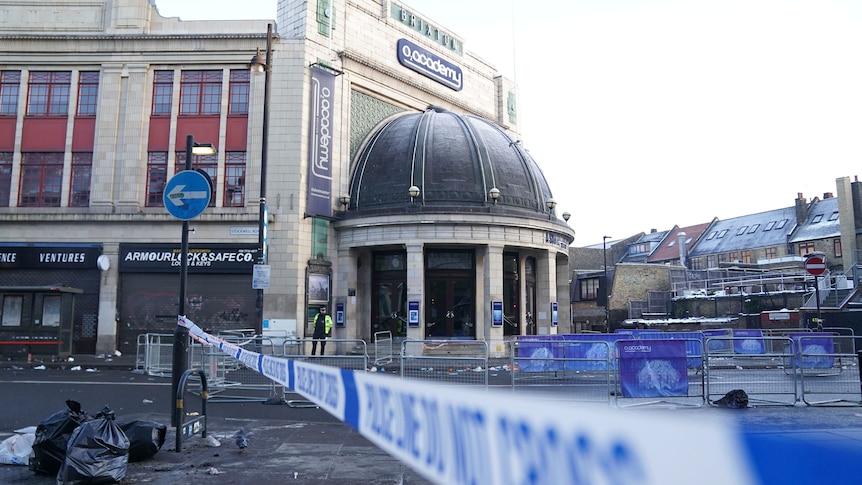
145 438
52 437
98 453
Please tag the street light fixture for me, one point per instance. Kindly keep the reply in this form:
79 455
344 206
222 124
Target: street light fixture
413 191
607 303
180 362
550 204
258 66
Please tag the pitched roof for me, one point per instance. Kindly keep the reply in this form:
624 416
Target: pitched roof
669 249
822 221
764 229
649 242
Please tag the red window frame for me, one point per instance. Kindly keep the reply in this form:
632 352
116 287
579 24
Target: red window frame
163 92
88 93
48 93
200 93
234 179
79 181
5 178
238 92
157 178
10 86
41 179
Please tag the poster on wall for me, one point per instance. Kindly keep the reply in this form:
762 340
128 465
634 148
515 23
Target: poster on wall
413 313
339 314
497 313
318 288
554 317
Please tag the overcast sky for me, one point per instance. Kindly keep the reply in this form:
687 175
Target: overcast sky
644 114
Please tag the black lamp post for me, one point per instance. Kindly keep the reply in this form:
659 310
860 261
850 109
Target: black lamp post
257 67
607 303
180 362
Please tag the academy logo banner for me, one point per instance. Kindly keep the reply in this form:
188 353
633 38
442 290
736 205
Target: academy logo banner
653 368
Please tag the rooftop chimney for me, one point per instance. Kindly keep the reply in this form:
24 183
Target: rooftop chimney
801 209
827 195
682 250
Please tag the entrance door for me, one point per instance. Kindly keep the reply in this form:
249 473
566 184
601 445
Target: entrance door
450 308
390 307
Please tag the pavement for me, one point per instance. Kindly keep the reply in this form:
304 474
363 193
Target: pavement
314 448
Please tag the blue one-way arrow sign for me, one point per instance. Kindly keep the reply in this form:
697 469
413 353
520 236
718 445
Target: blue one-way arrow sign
187 194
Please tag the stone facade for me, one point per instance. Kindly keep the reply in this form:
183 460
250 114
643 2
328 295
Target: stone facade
126 41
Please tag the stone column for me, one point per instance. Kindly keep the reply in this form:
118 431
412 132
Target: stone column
564 294
416 286
106 333
546 291
345 281
493 285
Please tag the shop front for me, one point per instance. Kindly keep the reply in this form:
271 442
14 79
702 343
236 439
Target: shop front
50 298
219 294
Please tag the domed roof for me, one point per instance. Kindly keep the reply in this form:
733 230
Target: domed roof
455 161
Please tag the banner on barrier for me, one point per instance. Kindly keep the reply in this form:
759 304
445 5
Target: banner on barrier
653 368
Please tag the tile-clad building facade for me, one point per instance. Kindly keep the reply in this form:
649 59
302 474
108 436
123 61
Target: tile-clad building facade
97 101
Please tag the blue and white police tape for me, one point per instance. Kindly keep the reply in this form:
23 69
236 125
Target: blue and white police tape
467 436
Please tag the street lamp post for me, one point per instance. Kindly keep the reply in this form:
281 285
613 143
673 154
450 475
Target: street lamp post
260 66
607 303
180 362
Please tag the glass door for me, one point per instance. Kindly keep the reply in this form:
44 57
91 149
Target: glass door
390 307
450 309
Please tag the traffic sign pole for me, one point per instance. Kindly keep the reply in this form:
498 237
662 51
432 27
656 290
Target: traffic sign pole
816 266
181 333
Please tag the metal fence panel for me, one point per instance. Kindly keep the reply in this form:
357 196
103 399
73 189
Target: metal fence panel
342 353
229 380
446 361
155 354
382 348
659 375
573 370
828 369
760 366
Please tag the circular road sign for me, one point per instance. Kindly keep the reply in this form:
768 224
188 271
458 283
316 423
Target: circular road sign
815 265
187 194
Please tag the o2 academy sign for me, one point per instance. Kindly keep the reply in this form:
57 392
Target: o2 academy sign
429 64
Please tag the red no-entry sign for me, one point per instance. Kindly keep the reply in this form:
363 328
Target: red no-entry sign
815 265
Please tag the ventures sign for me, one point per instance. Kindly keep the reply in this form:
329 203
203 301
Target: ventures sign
429 64
54 257
320 143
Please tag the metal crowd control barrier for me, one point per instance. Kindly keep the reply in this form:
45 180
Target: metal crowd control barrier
446 361
660 371
154 354
828 369
343 353
575 370
382 347
229 379
760 366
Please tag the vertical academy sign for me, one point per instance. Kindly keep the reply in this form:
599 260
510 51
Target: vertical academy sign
320 143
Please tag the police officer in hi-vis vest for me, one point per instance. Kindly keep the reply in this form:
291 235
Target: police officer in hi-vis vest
322 329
